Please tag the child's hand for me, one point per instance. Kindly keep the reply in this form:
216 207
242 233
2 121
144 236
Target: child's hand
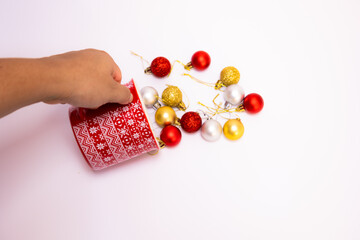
87 78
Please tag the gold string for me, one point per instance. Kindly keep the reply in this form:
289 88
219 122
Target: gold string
187 99
172 66
186 66
230 118
219 110
231 110
208 108
142 59
212 111
219 85
218 105
199 81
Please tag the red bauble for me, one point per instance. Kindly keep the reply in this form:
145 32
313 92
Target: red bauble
200 60
160 67
170 135
191 122
253 103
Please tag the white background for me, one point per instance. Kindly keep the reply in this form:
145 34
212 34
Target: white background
293 175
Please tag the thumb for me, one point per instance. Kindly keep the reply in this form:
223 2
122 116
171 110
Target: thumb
120 94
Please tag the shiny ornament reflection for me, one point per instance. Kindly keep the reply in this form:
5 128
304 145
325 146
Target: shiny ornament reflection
200 61
150 97
233 129
211 130
253 103
170 135
233 95
165 116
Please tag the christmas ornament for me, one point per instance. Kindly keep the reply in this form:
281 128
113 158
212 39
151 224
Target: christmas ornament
233 129
150 97
200 61
228 76
165 116
191 122
172 97
253 103
160 67
211 130
233 95
170 135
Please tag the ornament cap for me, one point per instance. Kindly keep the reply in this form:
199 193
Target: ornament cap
188 66
177 122
148 70
161 143
219 84
240 108
227 105
181 106
206 115
156 105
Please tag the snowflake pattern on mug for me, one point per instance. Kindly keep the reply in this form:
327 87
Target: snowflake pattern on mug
113 133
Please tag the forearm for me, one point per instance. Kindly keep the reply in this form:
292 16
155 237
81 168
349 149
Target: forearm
86 78
22 82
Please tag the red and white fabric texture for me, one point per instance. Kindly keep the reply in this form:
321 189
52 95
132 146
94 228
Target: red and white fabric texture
113 133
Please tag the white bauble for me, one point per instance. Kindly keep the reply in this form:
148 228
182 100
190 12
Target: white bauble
211 130
149 96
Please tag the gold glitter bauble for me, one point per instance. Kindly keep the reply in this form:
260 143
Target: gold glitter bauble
172 97
228 76
165 116
233 129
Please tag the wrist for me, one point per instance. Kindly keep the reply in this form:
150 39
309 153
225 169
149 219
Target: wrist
53 89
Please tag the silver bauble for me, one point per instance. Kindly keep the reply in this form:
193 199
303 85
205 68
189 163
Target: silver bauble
149 96
211 130
234 94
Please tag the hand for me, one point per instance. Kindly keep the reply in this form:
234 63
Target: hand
87 78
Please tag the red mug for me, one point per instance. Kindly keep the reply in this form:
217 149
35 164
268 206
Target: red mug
113 133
